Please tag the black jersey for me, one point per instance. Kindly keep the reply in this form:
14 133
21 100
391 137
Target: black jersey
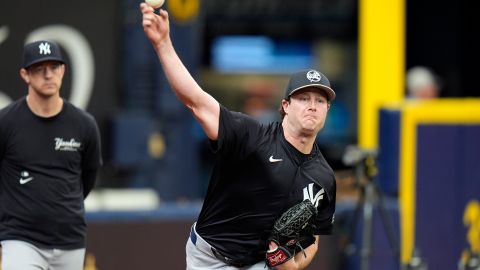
257 176
41 165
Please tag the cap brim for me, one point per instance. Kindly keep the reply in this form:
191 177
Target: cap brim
43 60
329 91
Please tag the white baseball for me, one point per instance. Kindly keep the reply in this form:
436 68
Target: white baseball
155 3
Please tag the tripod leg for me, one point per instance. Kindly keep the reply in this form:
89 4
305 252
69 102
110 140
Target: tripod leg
356 214
367 227
355 219
388 224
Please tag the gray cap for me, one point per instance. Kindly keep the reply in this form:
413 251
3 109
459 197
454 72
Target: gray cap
309 78
41 51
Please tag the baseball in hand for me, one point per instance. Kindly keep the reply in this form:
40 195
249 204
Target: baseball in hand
155 3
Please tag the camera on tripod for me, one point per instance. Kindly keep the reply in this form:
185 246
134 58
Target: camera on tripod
364 164
363 161
355 155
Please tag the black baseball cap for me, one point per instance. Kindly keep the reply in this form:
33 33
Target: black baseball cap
41 51
309 78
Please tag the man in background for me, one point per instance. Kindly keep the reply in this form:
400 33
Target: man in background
422 83
49 157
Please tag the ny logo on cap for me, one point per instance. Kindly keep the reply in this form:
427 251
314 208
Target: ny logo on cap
44 48
314 76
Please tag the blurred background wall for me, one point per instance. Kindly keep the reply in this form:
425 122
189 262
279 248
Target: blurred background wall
239 51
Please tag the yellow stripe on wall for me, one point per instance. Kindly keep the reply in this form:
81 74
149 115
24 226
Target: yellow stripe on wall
441 111
407 190
381 63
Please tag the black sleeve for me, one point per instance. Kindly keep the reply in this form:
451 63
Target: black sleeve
2 135
91 159
238 134
89 178
326 214
2 144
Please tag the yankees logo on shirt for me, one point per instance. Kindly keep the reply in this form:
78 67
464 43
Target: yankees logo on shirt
308 194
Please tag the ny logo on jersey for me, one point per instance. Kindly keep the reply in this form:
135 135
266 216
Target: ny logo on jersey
308 194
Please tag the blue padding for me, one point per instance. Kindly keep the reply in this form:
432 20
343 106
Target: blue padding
388 155
470 163
130 135
447 179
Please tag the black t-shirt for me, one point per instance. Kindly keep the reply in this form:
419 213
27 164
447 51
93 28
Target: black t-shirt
41 164
258 175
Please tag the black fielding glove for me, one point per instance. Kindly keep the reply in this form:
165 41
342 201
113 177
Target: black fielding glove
286 232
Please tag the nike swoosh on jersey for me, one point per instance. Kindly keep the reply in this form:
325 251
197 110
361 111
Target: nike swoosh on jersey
26 180
271 159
